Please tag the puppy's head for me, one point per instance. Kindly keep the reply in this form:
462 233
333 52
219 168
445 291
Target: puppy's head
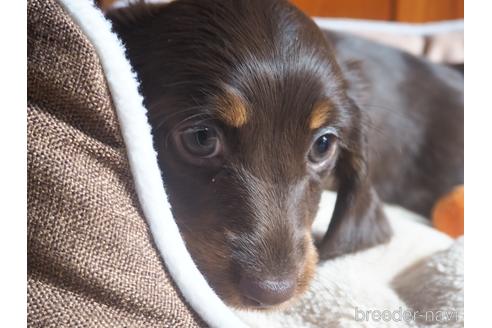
250 115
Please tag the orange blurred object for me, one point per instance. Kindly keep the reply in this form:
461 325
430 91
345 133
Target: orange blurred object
410 11
449 212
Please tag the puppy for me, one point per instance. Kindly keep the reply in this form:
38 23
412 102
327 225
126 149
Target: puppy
255 111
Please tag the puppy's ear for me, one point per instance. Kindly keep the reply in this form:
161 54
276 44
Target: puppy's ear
358 221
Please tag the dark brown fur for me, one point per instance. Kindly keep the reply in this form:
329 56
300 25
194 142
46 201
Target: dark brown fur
249 212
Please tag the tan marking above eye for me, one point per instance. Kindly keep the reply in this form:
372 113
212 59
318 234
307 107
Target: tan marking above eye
320 115
231 108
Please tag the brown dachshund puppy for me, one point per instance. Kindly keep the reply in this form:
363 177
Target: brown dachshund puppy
255 111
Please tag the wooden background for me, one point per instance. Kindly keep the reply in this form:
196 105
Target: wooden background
411 11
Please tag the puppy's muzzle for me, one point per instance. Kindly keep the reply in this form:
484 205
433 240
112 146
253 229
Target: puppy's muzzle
265 293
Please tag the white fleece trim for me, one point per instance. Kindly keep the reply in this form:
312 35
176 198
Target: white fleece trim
421 29
136 133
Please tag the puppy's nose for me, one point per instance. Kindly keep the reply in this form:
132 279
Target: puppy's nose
265 293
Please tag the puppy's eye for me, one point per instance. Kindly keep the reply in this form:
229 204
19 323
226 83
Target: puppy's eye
201 141
322 148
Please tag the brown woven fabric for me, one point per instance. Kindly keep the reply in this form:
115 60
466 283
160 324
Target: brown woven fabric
91 261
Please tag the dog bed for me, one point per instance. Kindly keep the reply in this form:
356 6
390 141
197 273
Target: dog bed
103 248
